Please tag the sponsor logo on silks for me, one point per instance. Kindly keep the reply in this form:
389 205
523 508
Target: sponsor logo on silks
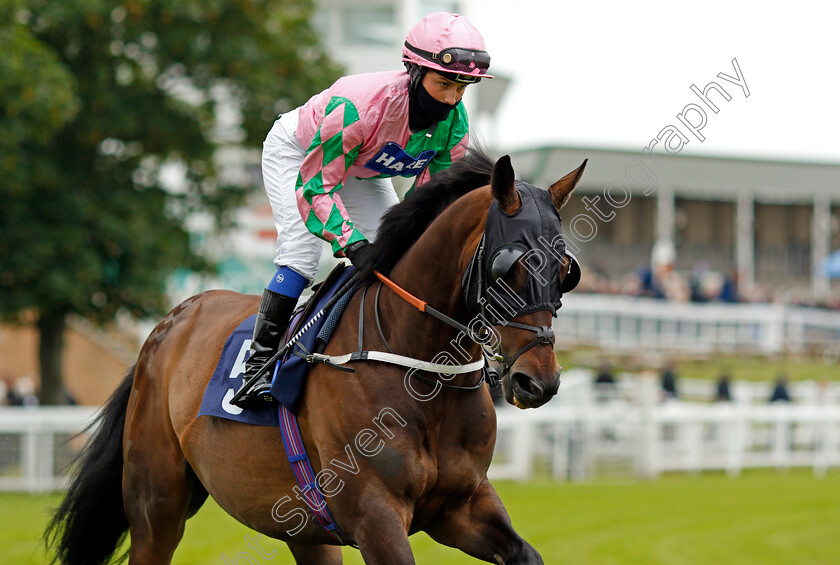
392 160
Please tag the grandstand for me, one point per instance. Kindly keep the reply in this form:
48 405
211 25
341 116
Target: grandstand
768 225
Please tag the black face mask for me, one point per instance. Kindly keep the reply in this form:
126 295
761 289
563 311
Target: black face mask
531 234
424 110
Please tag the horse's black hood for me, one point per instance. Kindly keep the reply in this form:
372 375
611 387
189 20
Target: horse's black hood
532 236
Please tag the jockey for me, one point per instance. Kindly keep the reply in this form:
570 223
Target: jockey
327 165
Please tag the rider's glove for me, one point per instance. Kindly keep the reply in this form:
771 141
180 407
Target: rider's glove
360 254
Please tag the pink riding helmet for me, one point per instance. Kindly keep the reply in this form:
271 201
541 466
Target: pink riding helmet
448 43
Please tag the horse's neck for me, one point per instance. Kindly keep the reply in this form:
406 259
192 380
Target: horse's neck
432 270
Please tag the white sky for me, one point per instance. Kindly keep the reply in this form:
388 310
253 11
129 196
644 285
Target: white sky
614 73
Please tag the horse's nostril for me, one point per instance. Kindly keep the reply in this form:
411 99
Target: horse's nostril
527 384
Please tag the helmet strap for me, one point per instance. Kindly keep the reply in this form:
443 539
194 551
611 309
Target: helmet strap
415 76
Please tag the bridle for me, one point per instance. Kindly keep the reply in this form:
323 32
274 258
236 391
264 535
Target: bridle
544 334
480 300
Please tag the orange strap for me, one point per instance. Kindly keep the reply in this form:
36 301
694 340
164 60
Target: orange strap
401 292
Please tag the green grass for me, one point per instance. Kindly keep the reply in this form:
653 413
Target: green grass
761 518
758 369
739 367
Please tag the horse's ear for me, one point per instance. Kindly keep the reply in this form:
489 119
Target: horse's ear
502 184
562 189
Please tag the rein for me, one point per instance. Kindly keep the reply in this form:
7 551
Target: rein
544 333
475 275
422 306
336 361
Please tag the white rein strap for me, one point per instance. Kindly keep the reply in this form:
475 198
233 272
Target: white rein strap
394 359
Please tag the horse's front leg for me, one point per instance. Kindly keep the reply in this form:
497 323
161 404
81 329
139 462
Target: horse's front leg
480 526
381 530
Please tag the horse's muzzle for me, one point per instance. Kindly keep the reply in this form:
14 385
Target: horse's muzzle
527 391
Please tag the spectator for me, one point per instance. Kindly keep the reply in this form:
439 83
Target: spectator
669 382
722 393
824 391
4 392
69 399
8 390
729 291
604 384
697 282
655 278
605 376
650 286
780 392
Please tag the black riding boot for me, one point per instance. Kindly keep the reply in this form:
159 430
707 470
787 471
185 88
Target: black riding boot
272 322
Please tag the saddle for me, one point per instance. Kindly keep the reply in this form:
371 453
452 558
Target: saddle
290 373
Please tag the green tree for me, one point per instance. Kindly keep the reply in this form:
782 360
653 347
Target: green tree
96 96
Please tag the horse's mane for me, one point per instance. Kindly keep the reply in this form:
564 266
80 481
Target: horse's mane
404 223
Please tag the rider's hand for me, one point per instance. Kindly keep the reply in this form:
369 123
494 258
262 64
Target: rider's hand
360 254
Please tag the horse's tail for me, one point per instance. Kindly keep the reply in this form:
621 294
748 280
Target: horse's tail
91 523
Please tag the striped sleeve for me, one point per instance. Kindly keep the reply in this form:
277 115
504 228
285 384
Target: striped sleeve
324 170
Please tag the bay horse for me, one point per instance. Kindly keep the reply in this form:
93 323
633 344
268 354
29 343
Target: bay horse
405 454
